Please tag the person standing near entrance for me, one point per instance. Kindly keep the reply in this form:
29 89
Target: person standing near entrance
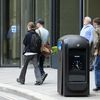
87 32
96 24
44 34
31 52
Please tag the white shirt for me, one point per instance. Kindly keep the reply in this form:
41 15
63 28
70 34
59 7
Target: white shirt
44 34
87 32
29 53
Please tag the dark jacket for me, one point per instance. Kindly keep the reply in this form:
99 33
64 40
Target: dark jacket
27 41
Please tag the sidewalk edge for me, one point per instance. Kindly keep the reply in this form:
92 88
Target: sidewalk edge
29 94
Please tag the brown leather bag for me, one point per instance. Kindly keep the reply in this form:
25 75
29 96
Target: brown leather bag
46 50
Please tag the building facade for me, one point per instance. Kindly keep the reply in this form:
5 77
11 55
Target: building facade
60 16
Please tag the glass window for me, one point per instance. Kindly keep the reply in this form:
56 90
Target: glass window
43 10
27 14
10 33
15 14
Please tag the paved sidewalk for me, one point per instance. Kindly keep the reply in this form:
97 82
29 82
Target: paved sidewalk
47 91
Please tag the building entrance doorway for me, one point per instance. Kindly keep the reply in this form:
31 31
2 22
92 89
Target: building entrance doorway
10 33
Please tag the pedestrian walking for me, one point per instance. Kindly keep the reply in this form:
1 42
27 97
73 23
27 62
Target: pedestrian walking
43 32
32 42
96 24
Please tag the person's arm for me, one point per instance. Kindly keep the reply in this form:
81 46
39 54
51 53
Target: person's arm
25 40
92 35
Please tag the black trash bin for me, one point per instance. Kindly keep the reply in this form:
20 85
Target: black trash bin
73 70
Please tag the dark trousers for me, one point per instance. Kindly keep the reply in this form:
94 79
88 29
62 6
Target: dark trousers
97 71
92 57
41 62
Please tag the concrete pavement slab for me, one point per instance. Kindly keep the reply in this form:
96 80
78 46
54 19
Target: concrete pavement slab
47 90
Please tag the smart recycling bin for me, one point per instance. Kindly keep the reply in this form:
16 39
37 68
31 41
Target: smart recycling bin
73 69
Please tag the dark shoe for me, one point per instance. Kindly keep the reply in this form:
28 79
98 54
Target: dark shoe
44 77
96 89
20 81
38 83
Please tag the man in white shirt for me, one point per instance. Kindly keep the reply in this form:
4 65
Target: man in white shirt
44 34
87 32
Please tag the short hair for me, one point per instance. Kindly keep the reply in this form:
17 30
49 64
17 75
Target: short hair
88 18
41 21
96 20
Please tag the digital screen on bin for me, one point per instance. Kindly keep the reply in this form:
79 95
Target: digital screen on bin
77 64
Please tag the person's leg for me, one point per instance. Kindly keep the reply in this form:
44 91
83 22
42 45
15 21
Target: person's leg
97 73
37 70
22 75
92 57
41 63
41 67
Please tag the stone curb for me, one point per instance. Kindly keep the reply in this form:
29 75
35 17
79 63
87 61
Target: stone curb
29 94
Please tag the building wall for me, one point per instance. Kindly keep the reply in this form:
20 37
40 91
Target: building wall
69 16
92 8
67 19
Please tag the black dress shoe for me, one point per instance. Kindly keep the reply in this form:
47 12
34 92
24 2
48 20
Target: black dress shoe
38 83
96 89
20 81
44 77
